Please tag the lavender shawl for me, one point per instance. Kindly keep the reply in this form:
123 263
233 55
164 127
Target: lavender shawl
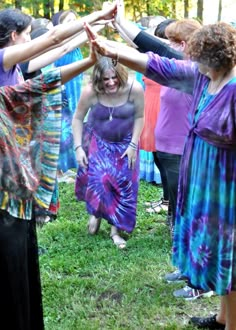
216 124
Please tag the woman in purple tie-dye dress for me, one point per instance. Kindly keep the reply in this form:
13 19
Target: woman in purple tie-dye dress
108 174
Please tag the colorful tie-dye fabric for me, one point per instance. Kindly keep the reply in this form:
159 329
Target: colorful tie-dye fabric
204 247
29 143
108 186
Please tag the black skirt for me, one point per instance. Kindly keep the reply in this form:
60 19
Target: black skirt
20 286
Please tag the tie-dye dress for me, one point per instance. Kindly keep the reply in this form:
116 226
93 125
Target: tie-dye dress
204 247
108 186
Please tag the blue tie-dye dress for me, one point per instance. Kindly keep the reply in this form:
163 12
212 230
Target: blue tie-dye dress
204 246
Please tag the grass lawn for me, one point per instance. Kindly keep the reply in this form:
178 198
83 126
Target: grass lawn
88 283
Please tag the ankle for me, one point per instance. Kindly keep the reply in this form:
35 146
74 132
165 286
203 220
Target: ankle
220 319
114 231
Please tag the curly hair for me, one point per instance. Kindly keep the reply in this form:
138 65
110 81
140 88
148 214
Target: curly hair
214 45
104 64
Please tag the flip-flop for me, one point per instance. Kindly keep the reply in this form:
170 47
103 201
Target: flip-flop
118 241
93 225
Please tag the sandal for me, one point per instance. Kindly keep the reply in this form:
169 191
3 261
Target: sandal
93 225
159 208
154 204
118 241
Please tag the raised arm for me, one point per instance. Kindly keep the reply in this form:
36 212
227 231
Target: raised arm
53 38
142 40
168 72
71 70
56 53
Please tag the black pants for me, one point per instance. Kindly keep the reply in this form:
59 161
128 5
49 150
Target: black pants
20 288
163 175
171 164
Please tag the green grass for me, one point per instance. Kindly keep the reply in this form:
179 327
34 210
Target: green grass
88 283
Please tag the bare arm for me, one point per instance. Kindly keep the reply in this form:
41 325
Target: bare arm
137 96
72 70
142 40
54 37
124 54
84 104
54 54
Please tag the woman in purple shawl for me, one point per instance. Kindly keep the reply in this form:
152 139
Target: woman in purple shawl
204 247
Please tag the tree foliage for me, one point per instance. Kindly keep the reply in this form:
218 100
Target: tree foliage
135 9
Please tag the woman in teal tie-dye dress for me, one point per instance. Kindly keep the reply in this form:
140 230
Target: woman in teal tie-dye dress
204 247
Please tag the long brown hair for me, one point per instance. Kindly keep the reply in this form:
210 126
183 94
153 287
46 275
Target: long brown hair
104 64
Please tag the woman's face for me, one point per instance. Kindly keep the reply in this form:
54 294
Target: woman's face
24 36
110 81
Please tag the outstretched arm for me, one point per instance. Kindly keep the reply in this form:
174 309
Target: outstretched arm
70 71
56 53
142 40
167 72
126 55
54 37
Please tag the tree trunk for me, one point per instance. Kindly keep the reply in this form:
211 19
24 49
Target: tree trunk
200 9
18 4
186 8
61 4
173 8
46 8
219 10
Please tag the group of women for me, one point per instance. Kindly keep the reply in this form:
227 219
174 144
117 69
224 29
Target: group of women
107 152
204 236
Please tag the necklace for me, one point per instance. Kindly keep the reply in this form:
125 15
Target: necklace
111 110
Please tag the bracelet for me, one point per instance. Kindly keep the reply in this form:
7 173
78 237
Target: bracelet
77 147
133 145
116 60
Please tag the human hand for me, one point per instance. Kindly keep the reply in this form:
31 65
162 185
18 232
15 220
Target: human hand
120 15
109 10
101 45
81 157
132 156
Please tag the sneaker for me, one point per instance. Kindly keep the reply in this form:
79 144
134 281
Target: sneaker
206 323
189 293
175 277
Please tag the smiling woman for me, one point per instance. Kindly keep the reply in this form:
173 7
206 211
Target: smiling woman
108 174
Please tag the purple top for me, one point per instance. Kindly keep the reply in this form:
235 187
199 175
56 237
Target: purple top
173 124
114 130
10 77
